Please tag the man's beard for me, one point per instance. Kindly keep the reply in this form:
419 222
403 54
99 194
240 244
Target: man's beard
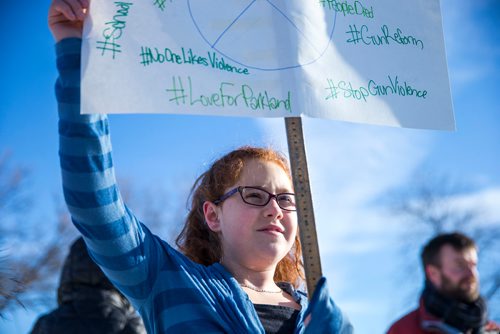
461 291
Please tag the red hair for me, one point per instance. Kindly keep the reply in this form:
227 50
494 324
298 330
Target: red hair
203 245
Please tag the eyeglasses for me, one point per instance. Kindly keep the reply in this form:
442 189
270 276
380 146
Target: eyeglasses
260 197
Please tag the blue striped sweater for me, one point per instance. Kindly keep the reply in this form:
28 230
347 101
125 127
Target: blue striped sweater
172 293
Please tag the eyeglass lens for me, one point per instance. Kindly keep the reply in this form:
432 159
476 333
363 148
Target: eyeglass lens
260 197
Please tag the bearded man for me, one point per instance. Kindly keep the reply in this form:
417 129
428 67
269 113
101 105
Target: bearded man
450 302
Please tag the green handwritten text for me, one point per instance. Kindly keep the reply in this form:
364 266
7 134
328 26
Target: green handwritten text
160 4
227 94
393 86
361 35
114 30
221 64
166 55
151 55
346 8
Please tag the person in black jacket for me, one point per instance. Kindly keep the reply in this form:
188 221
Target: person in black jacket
88 302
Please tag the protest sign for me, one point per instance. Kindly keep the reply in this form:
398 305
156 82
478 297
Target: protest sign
378 62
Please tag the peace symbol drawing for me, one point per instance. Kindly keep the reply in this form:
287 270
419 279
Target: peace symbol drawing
259 34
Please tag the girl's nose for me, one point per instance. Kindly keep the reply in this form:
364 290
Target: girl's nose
273 209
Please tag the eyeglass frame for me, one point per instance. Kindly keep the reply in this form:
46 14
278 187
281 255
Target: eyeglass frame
240 191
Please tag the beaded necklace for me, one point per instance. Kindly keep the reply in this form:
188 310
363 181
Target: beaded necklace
257 289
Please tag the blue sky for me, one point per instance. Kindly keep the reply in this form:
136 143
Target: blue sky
351 165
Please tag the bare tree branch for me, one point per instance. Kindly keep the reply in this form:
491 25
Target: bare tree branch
31 258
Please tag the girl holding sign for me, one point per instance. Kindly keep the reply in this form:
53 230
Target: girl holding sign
240 264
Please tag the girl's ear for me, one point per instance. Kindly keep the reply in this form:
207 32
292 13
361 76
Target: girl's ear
211 216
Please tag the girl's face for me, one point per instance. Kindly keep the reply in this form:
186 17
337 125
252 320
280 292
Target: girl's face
256 237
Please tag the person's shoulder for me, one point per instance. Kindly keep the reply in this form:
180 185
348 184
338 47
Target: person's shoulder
48 323
492 328
405 325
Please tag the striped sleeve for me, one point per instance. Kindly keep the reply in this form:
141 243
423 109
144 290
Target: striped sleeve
117 241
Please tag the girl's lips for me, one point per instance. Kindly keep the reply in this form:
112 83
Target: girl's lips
272 228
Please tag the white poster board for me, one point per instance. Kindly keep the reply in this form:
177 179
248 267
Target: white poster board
379 62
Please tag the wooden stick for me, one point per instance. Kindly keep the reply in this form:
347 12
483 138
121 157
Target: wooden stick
305 212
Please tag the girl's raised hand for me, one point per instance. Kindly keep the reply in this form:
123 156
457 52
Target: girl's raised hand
66 17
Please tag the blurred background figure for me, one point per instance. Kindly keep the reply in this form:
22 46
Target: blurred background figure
450 302
88 302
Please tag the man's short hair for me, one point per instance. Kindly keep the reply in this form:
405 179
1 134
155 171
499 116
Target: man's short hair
430 252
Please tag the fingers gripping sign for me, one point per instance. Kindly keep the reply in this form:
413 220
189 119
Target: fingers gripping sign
66 17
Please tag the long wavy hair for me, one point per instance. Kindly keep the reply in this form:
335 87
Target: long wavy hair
203 245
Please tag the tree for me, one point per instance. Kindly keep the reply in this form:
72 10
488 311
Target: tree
432 204
30 257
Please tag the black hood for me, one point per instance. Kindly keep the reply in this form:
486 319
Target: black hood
88 302
79 274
